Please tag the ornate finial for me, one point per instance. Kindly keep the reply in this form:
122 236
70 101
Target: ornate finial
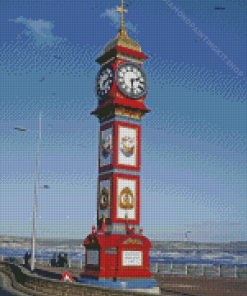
104 218
126 217
122 10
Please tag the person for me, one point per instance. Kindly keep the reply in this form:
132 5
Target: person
54 260
60 263
26 257
65 258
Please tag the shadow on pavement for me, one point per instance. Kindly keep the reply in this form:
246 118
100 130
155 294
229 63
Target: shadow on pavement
43 273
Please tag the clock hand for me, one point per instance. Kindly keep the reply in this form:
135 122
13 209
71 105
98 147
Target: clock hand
105 81
132 82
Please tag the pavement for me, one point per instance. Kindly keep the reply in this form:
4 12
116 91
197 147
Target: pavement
170 285
6 288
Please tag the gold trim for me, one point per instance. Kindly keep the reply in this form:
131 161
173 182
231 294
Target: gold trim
127 57
128 113
118 62
132 241
126 204
107 61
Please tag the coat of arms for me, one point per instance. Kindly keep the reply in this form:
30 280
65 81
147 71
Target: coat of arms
127 146
106 146
126 198
104 199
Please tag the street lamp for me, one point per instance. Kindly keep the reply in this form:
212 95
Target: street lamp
186 234
35 197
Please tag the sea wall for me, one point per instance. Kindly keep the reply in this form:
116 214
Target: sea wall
36 285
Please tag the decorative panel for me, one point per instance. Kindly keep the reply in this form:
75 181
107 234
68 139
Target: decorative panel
127 146
126 198
104 198
106 147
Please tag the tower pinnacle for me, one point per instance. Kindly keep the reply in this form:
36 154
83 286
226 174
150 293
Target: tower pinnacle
122 10
122 38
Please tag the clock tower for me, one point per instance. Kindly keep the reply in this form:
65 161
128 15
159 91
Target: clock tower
117 253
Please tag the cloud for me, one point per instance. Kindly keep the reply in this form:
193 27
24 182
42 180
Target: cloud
113 15
40 30
115 18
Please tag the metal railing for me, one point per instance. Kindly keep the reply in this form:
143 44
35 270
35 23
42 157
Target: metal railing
178 269
208 270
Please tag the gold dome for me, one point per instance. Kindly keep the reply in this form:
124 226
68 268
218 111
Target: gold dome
124 40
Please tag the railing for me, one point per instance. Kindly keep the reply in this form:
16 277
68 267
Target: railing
207 270
178 269
43 261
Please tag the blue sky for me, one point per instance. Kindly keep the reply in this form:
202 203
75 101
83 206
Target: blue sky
193 152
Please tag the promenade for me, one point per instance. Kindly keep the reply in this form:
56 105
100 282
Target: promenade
169 284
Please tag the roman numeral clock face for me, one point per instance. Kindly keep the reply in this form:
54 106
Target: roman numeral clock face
104 81
131 80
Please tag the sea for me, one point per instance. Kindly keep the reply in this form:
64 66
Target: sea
160 256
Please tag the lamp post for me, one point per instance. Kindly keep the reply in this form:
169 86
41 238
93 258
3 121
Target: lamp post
186 234
35 197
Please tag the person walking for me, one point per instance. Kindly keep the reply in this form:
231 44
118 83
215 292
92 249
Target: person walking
54 260
26 257
59 260
65 258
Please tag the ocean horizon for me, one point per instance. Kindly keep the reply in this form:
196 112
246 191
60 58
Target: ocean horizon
159 256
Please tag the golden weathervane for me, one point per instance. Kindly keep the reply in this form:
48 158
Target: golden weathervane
122 10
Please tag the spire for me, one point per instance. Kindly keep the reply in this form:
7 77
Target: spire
122 32
122 10
122 38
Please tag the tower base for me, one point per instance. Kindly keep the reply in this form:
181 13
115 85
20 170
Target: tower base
148 286
119 261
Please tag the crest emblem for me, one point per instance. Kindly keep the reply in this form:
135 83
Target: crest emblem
104 199
133 241
126 198
127 146
106 146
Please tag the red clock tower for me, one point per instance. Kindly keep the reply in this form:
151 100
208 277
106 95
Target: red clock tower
117 254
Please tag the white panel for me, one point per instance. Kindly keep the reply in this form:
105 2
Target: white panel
132 258
106 147
127 146
122 184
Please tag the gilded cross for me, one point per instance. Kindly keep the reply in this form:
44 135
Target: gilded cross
122 10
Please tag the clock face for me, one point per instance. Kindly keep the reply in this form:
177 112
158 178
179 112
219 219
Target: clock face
104 81
131 80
